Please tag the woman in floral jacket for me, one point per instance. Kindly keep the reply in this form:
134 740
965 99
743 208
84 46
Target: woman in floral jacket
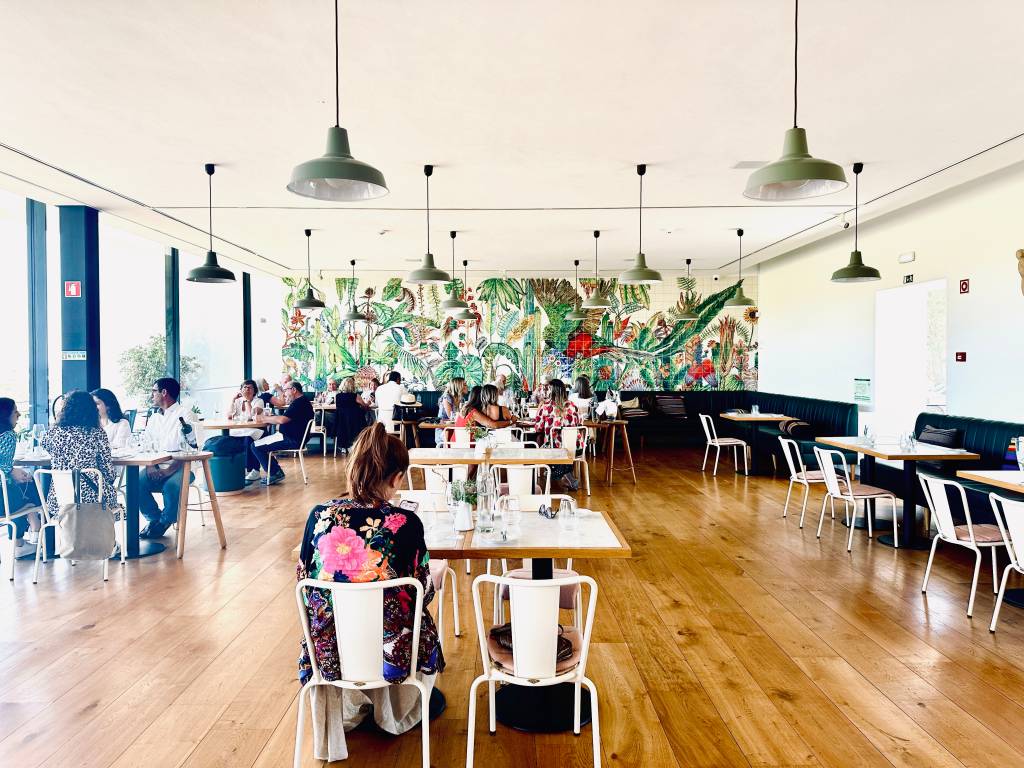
359 539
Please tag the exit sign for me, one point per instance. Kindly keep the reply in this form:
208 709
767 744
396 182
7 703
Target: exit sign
72 289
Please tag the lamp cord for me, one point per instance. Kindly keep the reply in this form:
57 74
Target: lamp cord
597 233
856 208
741 254
641 222
337 70
309 273
796 47
428 214
209 178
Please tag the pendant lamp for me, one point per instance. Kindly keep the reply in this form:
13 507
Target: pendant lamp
578 313
740 299
309 301
336 175
640 273
428 274
466 313
211 271
353 315
596 300
453 302
688 313
796 175
856 271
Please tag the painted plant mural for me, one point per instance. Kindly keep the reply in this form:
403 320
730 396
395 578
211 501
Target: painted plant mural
521 330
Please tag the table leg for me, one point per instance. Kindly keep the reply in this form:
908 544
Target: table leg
908 534
540 710
135 548
629 451
416 434
609 461
183 509
214 504
754 466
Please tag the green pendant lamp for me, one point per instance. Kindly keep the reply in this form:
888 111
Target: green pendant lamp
740 299
309 302
453 302
353 315
336 175
428 274
579 313
796 175
596 300
688 313
465 313
856 271
210 271
640 273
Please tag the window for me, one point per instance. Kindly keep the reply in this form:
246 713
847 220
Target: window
267 335
14 307
132 340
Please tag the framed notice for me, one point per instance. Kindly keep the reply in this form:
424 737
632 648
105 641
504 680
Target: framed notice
862 391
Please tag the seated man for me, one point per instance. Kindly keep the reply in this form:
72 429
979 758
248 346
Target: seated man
168 427
388 395
292 427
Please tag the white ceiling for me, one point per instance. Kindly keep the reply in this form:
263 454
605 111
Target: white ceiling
529 105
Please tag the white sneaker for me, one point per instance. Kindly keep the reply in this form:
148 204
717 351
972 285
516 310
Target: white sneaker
22 550
32 537
252 475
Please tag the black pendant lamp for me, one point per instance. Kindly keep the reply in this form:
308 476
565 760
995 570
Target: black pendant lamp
466 313
856 271
640 273
578 313
454 301
597 299
353 315
336 175
428 274
740 299
309 301
210 271
688 312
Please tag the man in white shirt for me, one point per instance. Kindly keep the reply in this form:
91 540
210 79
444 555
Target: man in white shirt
504 398
168 428
388 396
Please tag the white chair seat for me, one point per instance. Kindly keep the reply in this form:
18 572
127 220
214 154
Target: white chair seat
811 476
438 568
862 491
504 659
727 441
985 533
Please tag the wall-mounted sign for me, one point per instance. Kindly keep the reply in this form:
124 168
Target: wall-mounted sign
965 286
73 354
961 357
907 279
862 390
72 289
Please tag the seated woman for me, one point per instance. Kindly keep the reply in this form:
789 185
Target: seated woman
78 442
475 412
21 490
351 414
449 404
247 405
490 396
359 539
557 412
112 418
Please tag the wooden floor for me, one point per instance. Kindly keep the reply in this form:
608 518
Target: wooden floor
732 638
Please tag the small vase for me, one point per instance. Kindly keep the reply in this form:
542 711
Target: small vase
463 516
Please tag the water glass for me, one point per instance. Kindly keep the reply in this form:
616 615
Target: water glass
568 516
1020 453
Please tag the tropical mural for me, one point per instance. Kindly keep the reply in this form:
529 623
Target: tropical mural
521 330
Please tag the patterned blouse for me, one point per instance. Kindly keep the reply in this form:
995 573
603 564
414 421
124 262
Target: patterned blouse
549 421
80 448
345 541
8 444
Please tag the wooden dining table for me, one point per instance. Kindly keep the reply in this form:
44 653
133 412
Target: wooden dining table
226 425
754 421
909 536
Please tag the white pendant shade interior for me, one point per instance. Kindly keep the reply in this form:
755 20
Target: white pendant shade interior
454 301
353 315
309 301
428 273
640 273
596 300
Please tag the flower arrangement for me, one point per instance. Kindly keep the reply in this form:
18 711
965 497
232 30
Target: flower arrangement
464 490
478 432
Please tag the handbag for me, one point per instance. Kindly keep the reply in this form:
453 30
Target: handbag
86 528
502 635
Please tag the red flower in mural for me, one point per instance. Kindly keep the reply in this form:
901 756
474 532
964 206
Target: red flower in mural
604 373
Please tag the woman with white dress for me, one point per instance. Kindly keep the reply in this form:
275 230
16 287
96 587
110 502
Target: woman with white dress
112 418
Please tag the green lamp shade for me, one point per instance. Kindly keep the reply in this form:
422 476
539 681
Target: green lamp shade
739 299
577 315
453 303
428 274
309 301
353 316
856 271
211 272
640 273
688 314
337 176
596 301
796 175
465 314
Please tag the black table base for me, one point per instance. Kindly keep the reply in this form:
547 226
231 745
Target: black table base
1014 597
545 709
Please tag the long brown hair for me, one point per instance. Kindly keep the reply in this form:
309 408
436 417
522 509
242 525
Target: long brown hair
375 458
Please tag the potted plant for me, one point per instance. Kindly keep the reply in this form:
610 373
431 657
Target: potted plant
462 498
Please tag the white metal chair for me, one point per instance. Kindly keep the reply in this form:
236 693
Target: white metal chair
1010 518
62 481
571 436
970 536
7 521
294 452
320 427
840 487
532 661
360 643
798 475
461 437
436 478
718 443
520 478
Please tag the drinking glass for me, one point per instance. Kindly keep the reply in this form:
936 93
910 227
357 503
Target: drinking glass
568 516
755 410
38 431
1020 452
513 518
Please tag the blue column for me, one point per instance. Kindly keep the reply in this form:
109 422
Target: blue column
80 297
246 326
38 369
172 312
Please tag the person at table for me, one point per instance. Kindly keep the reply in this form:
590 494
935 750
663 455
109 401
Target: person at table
388 395
505 398
282 392
448 405
77 441
541 393
475 412
167 429
490 398
327 396
245 405
557 412
112 418
583 395
363 538
292 426
21 490
352 415
264 392
369 392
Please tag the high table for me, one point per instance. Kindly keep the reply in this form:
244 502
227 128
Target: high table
226 425
547 709
754 420
890 452
1007 480
613 426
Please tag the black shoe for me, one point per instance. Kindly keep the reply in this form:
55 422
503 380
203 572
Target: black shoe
153 531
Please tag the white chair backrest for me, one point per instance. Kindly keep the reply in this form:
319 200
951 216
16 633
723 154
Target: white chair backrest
531 502
63 483
437 476
794 460
827 465
523 444
1010 517
3 495
305 433
522 478
936 496
502 436
360 633
435 501
709 427
460 438
570 437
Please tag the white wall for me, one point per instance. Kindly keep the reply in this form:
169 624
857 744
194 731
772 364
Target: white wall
817 336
